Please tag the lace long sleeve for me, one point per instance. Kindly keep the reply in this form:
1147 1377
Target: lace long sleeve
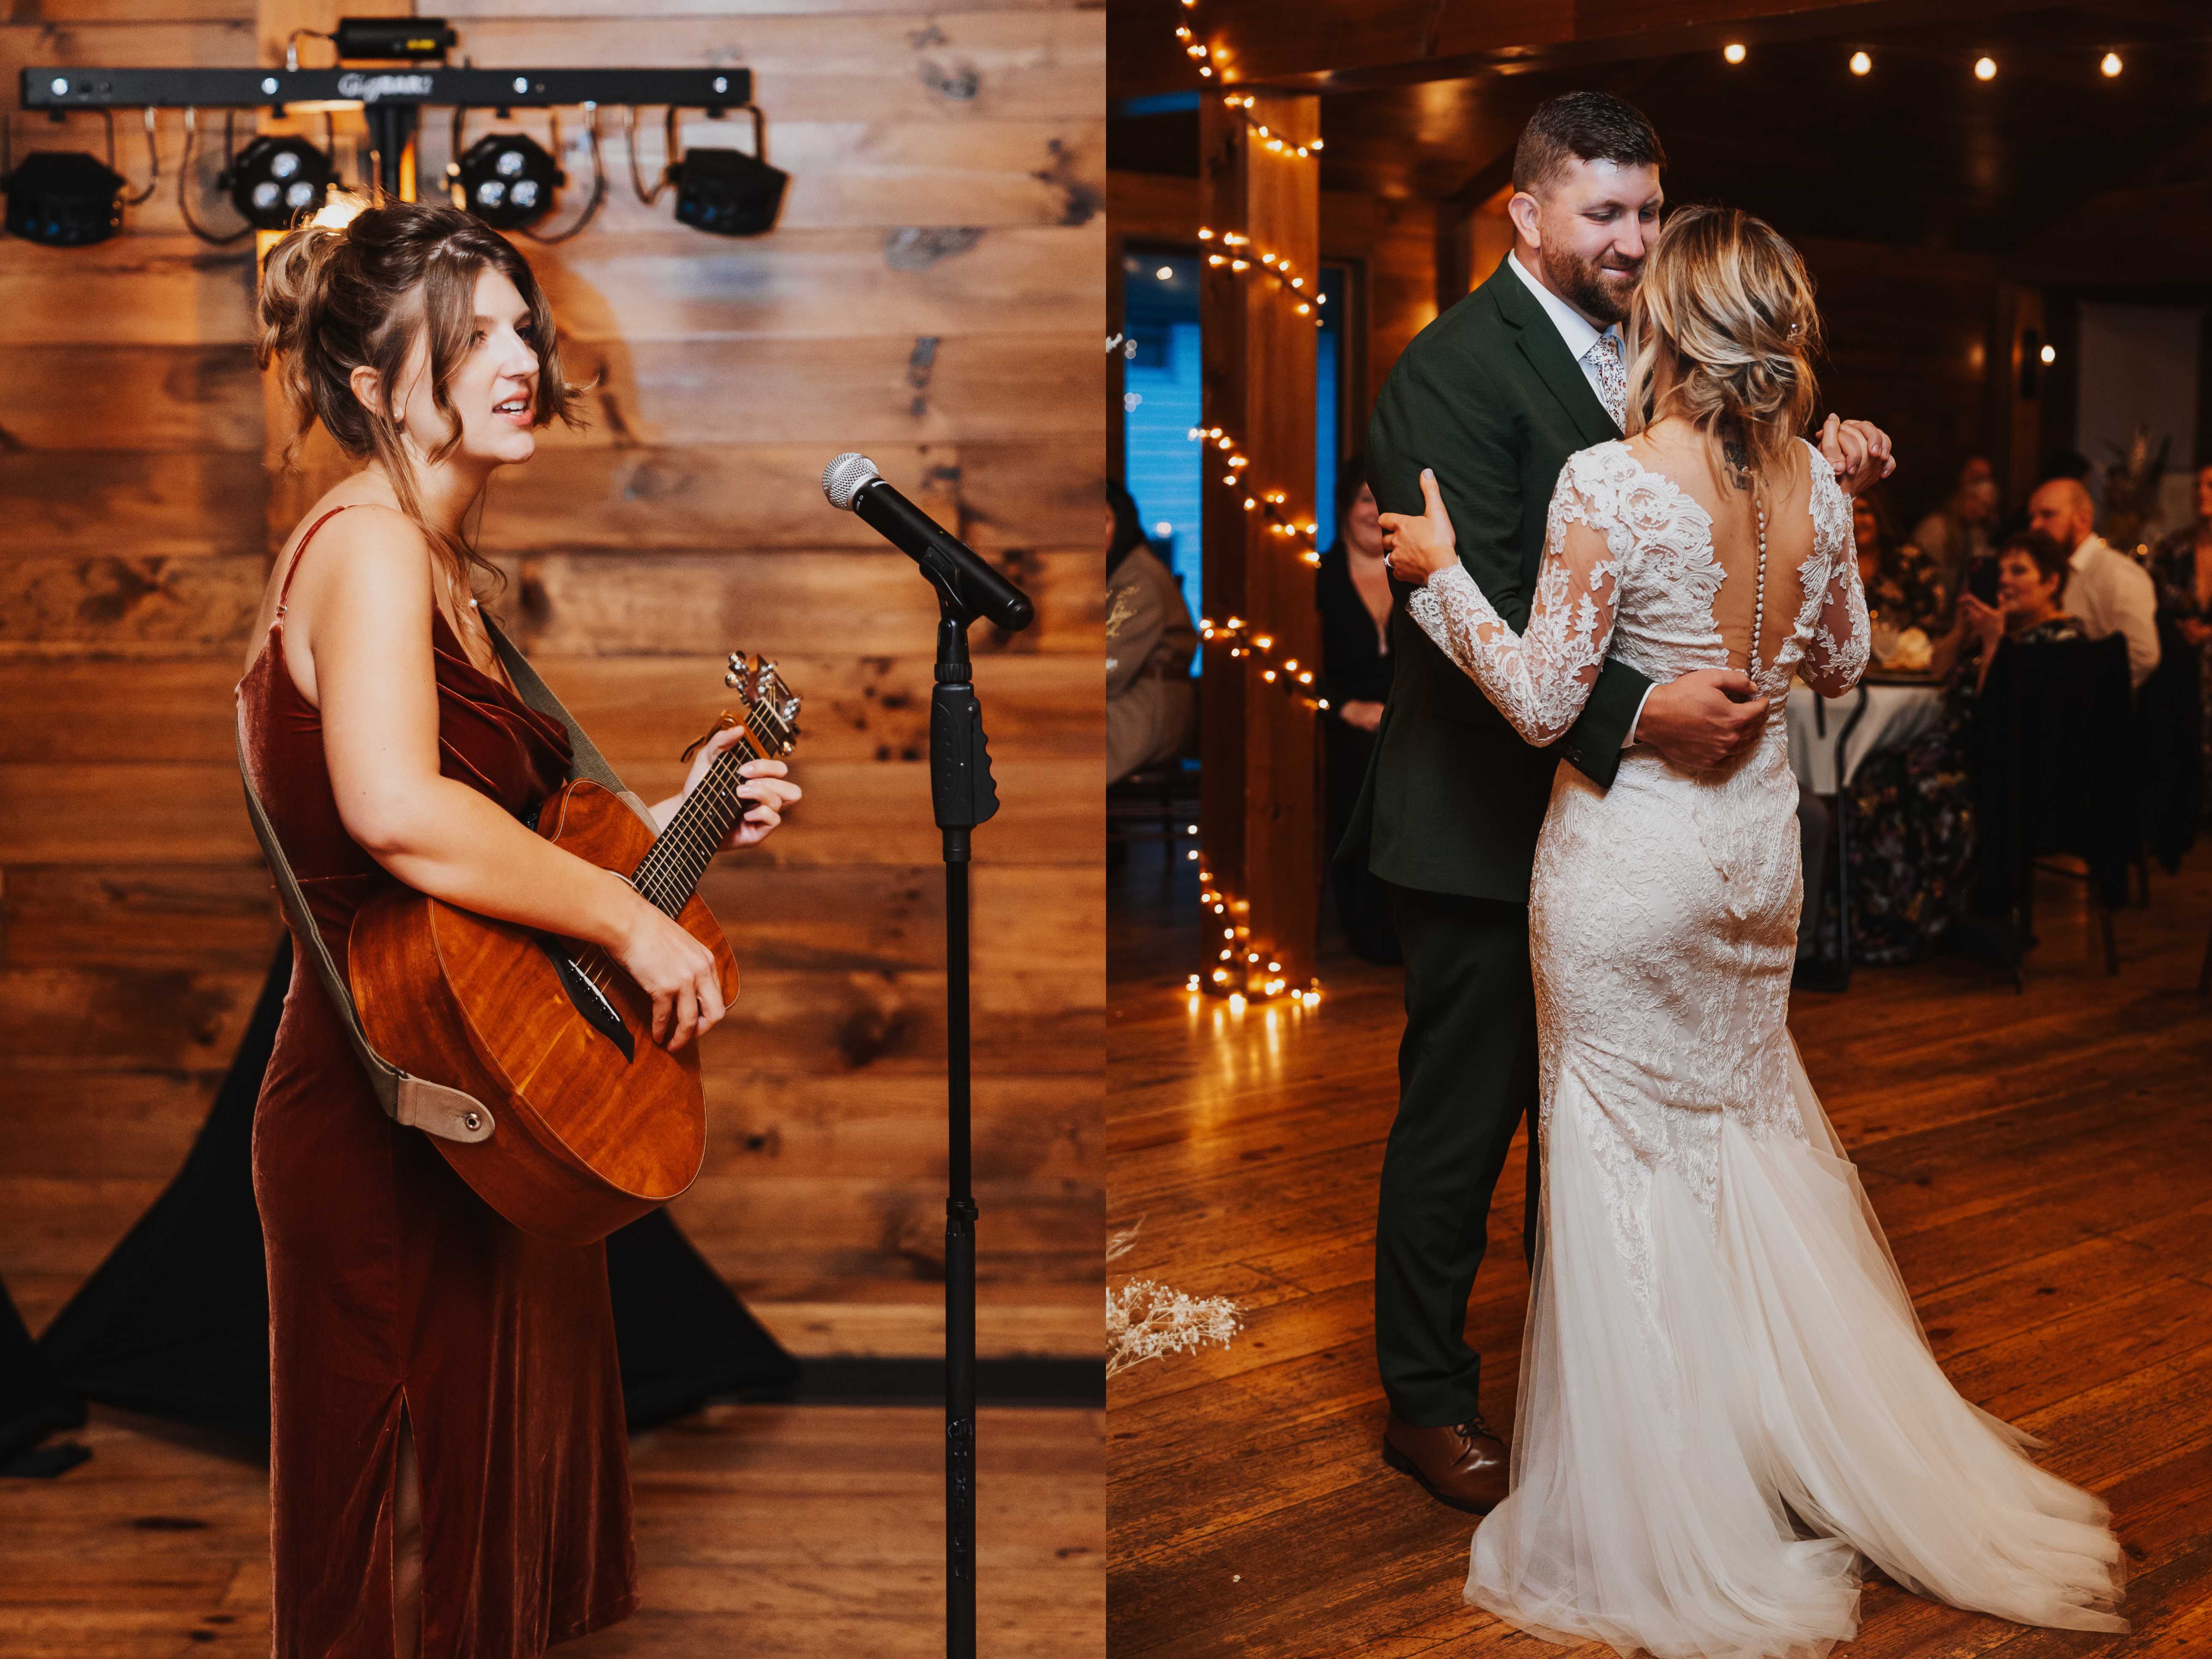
1539 679
1836 654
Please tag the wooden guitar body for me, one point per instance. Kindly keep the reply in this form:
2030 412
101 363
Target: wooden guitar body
586 1137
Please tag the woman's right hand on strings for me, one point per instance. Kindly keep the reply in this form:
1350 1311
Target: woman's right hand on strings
674 970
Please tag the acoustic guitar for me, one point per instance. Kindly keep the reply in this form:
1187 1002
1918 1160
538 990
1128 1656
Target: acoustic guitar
600 1123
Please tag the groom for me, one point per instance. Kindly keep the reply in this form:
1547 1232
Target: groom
1495 395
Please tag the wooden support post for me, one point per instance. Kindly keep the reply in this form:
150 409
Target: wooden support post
1260 817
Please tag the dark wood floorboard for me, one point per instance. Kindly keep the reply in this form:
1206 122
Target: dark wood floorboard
2041 1163
774 1532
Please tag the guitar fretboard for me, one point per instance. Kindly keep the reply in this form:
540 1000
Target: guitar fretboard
669 874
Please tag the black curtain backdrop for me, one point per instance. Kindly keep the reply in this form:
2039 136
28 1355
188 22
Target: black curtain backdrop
32 1400
175 1322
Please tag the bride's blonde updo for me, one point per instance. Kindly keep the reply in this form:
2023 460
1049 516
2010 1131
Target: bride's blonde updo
339 295
1729 300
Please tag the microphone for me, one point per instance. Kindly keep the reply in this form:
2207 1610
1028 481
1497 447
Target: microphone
853 485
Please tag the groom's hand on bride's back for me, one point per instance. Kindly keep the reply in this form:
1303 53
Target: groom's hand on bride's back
1700 721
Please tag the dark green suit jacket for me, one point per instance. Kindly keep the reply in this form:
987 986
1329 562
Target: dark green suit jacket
1488 397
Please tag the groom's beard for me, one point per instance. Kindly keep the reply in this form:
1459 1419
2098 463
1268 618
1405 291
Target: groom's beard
1593 286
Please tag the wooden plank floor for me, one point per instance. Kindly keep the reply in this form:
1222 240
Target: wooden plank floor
784 1532
2042 1164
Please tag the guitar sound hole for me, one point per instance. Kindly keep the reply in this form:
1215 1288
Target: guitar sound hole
587 1000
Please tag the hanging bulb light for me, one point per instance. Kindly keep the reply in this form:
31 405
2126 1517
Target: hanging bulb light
2112 65
1985 69
1861 63
1733 52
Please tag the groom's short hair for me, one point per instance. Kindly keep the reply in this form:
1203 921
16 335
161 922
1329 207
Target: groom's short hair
1588 126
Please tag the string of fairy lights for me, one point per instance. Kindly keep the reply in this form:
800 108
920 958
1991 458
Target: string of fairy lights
1236 967
1270 504
1240 104
1210 58
1238 970
1239 255
1860 62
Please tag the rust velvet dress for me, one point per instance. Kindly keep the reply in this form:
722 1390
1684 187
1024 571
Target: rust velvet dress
395 1291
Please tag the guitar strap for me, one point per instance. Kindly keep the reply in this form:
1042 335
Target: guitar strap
587 761
417 1102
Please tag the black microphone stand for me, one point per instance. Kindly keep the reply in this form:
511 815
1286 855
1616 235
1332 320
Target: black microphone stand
962 796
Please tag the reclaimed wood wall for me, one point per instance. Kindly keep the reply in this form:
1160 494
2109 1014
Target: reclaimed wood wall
931 295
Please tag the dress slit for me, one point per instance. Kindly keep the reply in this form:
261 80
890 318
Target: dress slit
407 1469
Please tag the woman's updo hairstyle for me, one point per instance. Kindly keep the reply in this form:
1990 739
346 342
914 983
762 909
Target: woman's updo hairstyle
338 296
1730 300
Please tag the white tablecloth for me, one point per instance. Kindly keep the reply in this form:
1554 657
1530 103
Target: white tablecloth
1895 715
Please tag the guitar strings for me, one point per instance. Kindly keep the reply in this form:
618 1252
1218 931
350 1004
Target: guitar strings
666 881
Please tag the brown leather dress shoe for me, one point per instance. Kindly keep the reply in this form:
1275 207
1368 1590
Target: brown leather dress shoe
1462 1464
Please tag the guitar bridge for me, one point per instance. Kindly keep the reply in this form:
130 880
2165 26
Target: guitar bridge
589 1001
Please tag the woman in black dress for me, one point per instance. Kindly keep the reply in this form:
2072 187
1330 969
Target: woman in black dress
1352 592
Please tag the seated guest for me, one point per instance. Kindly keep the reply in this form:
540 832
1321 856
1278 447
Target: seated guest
1351 590
1904 588
2181 573
1912 817
1150 704
2031 574
1958 532
2107 591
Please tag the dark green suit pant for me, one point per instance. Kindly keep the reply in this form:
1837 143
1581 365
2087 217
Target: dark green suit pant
1467 1076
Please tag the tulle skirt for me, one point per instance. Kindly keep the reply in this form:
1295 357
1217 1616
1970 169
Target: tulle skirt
1701 1470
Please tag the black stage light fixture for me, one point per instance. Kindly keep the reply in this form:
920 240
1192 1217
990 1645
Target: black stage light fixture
276 178
506 179
726 191
64 199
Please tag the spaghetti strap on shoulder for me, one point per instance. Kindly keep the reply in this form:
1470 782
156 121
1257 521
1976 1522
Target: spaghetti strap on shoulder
300 553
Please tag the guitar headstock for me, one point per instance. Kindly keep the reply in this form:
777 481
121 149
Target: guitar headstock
771 707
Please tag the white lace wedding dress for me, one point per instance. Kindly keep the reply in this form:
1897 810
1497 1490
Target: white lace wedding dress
1726 1399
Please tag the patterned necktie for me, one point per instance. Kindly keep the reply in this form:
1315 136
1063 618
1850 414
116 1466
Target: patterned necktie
1612 378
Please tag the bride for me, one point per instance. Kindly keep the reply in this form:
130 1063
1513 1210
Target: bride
1726 1399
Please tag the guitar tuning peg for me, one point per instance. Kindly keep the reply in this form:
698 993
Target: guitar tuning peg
730 679
737 660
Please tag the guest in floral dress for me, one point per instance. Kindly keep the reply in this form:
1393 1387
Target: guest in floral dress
1911 818
1903 587
2181 569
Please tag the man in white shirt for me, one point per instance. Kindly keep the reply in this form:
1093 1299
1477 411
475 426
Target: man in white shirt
2106 592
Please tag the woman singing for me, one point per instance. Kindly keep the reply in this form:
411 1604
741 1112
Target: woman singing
448 1468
